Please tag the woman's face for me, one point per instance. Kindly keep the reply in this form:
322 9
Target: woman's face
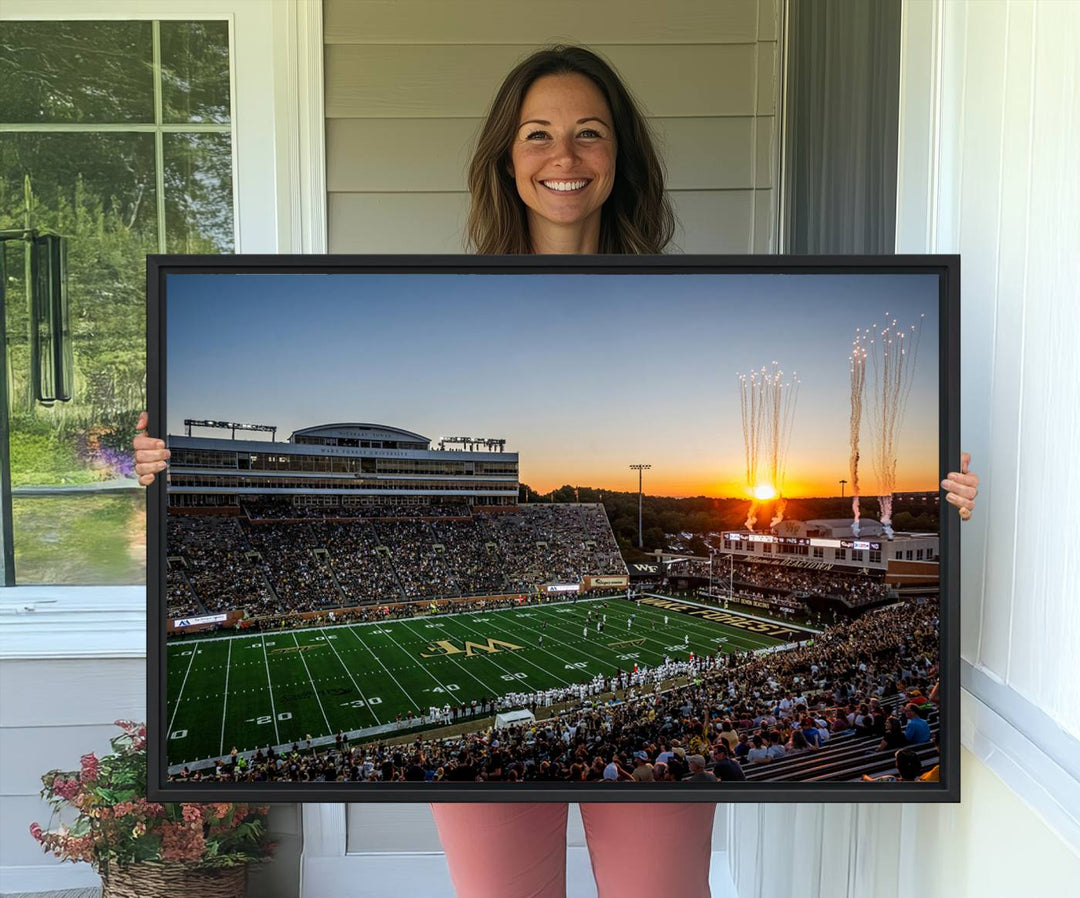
563 154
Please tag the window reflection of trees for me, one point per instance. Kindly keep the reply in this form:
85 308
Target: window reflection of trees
87 153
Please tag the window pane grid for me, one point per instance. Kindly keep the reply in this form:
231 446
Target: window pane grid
152 94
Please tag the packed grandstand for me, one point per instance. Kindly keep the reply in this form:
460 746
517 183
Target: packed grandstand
839 706
264 564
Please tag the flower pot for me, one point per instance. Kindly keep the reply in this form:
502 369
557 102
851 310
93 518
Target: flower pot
166 880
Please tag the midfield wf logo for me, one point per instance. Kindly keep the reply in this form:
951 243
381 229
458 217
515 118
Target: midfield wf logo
446 647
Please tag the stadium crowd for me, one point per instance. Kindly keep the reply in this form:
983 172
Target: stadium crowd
786 584
271 508
277 567
214 553
735 712
181 599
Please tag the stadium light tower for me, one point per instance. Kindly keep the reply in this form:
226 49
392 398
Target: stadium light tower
842 482
640 536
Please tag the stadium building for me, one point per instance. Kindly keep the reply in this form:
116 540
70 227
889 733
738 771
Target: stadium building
818 563
830 542
340 465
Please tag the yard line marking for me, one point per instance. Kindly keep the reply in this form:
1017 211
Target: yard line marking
273 710
225 704
401 689
314 688
697 629
580 651
172 720
349 672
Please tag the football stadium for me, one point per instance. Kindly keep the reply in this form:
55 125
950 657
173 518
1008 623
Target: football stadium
360 603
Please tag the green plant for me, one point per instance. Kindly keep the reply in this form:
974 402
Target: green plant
115 824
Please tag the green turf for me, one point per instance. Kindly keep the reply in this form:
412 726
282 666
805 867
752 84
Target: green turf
253 691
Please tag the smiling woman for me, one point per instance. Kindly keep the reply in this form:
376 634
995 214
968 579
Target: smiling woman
565 163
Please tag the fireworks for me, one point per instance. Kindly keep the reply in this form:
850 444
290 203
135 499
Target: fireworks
768 410
857 360
892 352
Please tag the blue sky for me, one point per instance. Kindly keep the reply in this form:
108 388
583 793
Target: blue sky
583 375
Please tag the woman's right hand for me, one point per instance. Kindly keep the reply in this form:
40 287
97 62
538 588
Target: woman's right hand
150 453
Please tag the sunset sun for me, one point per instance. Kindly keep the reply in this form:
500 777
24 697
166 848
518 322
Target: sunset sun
764 492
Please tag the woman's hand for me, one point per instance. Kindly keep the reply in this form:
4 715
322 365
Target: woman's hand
150 454
962 487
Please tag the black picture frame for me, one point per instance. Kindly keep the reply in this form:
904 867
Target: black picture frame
947 270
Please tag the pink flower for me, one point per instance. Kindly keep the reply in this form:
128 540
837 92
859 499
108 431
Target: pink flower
89 767
221 809
181 842
150 808
192 813
66 789
36 832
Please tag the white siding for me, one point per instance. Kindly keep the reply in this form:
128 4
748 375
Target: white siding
1009 202
408 82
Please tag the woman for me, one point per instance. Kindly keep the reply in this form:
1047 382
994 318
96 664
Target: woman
894 735
797 743
759 754
565 164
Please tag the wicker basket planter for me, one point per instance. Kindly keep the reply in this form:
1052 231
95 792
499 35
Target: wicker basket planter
151 880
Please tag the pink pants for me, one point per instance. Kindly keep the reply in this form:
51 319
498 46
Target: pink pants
519 850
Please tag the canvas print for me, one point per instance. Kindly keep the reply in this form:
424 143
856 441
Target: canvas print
569 529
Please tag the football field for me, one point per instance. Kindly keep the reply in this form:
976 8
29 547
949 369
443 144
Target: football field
285 686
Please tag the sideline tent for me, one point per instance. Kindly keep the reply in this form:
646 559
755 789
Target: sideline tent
509 718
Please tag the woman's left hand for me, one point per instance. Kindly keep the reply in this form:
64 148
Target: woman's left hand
961 487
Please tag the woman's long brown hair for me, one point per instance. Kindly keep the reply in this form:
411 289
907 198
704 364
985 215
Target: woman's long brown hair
637 216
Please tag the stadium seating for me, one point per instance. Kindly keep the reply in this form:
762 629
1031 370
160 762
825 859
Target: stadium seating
264 563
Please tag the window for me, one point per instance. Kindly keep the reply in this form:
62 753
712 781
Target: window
875 556
819 552
122 143
856 554
918 554
841 555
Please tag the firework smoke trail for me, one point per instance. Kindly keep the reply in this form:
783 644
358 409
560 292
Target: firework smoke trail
752 419
768 409
858 385
892 353
784 397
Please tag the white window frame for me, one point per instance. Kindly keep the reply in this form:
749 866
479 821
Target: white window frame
279 165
